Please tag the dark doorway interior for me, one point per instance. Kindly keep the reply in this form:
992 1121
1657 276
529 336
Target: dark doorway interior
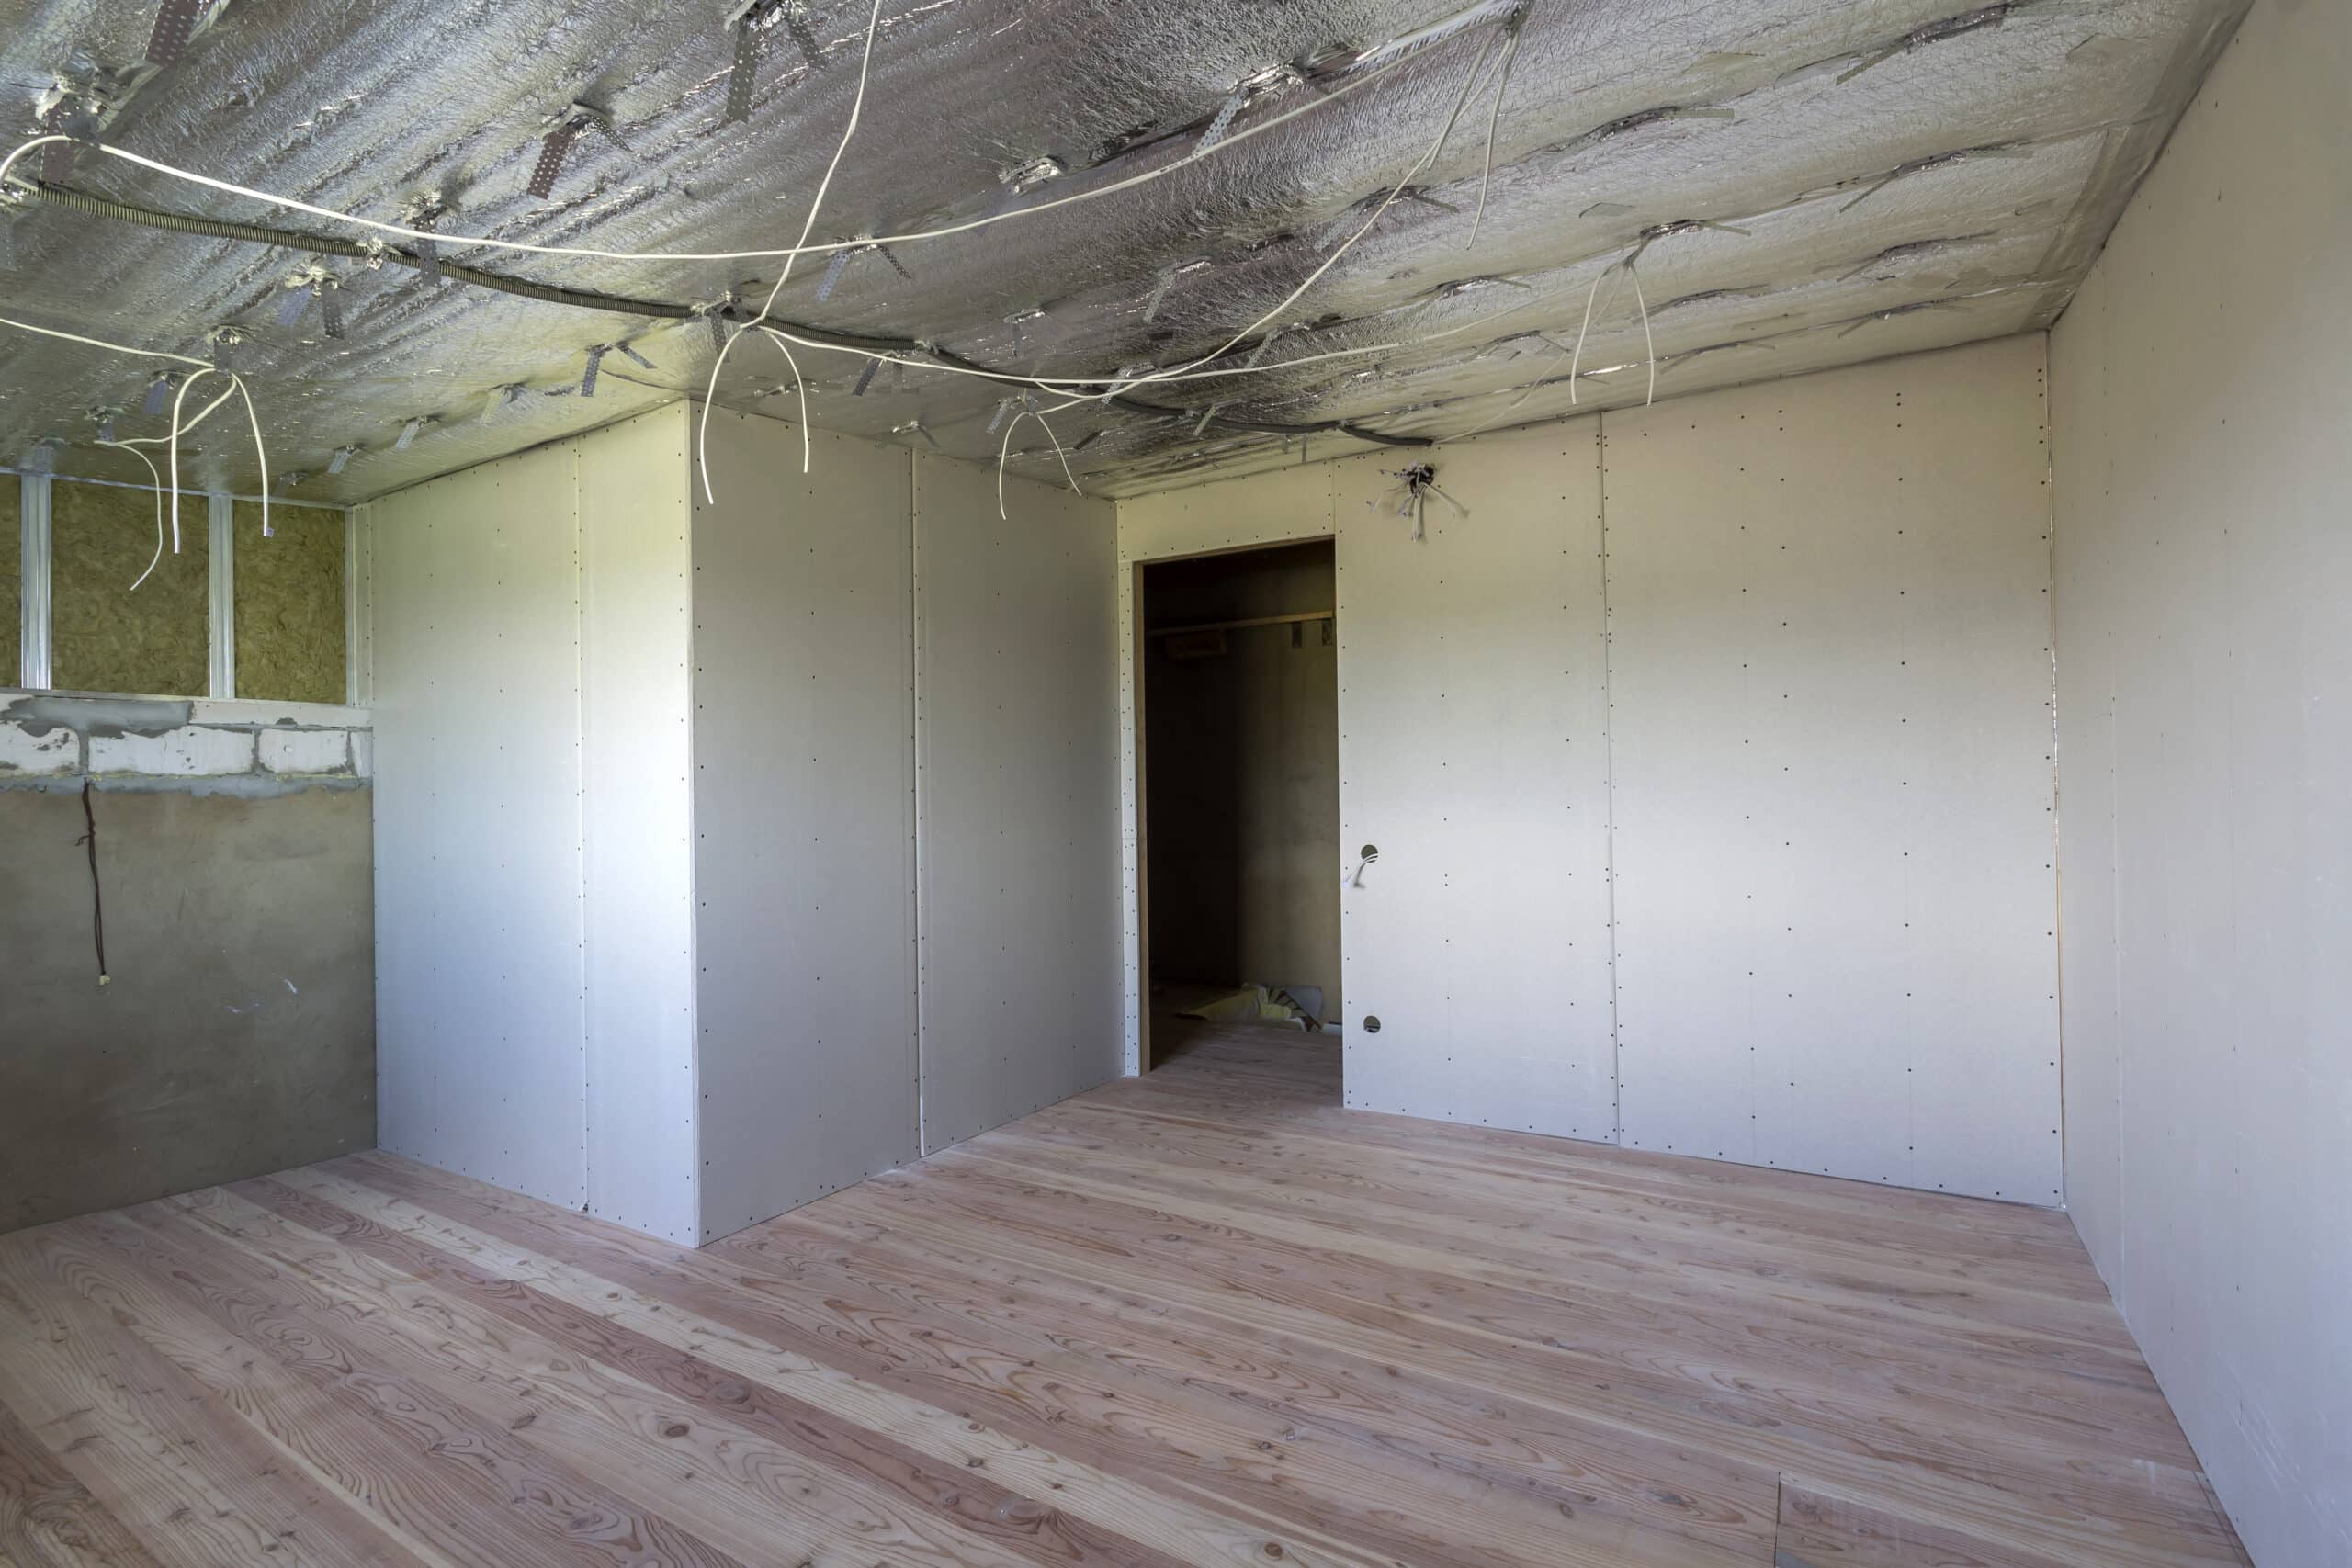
1241 757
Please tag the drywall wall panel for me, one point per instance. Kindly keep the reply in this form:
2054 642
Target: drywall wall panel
1270 508
1830 706
2205 568
1017 828
637 815
804 819
480 1022
2089 589
1473 756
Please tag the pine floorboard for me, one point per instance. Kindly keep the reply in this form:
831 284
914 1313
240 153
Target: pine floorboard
1204 1316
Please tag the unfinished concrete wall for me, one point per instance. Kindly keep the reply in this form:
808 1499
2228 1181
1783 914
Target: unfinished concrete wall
2205 758
1242 751
235 1034
1017 831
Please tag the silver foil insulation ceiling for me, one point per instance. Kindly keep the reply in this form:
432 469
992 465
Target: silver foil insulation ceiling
1807 184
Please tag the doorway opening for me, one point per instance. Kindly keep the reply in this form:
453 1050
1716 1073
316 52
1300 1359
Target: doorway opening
1238 687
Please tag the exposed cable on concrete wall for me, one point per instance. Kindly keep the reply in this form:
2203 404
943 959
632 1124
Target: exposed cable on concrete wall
97 908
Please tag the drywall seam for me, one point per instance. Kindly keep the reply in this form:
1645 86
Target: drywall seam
1609 783
581 755
914 621
683 479
2057 795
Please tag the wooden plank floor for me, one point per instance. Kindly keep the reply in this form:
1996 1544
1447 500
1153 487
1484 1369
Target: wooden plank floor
1204 1316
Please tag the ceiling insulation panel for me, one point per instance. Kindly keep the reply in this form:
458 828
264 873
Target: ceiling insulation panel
1799 183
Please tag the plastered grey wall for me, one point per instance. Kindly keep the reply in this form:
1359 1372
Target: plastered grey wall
2204 635
236 1033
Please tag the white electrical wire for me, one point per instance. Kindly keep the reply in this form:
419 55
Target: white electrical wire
857 109
1112 383
1576 360
1469 81
1495 119
1391 57
1649 344
800 386
236 384
158 558
132 444
912 237
101 343
1004 454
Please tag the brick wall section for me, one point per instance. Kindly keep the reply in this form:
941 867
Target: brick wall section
49 742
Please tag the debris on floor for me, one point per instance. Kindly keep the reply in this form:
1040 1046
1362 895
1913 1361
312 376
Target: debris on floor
1294 1006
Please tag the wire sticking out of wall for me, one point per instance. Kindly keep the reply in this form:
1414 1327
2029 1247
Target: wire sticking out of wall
97 907
1412 490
